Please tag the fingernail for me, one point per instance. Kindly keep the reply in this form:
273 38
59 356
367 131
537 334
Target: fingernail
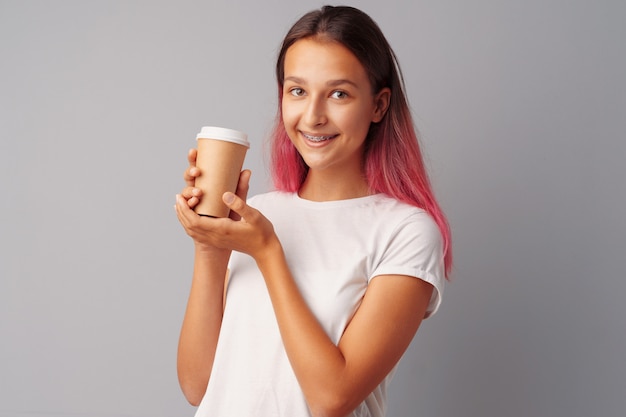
229 198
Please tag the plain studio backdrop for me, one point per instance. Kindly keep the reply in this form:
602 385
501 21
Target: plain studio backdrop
521 107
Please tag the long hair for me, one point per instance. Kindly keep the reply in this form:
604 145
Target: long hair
393 160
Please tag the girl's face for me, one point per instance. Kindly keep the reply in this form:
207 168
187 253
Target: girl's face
328 105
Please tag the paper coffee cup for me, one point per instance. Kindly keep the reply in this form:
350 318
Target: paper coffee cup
220 158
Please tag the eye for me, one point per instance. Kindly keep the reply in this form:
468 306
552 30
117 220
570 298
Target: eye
296 92
338 94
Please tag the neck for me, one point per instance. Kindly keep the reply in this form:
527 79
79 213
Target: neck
320 186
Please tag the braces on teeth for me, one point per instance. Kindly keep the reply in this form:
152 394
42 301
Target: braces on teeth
317 138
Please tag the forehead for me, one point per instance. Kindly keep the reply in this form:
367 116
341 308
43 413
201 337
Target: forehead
313 59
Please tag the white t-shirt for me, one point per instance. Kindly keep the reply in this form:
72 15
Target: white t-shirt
333 250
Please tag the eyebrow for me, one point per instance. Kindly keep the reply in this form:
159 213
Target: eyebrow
331 83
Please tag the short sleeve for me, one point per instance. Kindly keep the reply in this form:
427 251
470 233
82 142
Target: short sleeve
415 248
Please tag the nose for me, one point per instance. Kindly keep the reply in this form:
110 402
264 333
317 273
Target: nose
315 112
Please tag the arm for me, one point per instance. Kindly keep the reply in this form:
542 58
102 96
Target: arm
334 378
202 322
205 306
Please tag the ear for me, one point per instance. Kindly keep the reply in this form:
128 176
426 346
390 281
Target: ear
381 103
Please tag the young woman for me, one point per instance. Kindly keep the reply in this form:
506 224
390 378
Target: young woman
327 278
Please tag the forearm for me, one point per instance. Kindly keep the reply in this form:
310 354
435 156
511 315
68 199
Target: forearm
202 322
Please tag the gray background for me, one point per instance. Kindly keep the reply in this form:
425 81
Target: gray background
521 106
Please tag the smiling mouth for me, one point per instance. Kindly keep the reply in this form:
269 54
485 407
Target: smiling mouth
314 138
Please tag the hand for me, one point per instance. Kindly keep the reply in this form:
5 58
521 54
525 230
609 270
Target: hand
250 233
193 195
190 193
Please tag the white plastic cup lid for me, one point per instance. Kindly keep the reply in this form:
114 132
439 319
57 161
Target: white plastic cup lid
221 133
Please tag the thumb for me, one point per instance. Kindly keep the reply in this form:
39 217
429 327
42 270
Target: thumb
236 204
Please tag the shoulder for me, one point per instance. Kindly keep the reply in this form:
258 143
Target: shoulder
413 246
408 227
404 218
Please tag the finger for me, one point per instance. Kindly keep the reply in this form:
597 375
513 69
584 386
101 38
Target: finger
238 205
189 192
192 195
187 217
182 209
192 171
179 212
243 186
191 156
190 175
242 191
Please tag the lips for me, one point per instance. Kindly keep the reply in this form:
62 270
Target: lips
317 138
